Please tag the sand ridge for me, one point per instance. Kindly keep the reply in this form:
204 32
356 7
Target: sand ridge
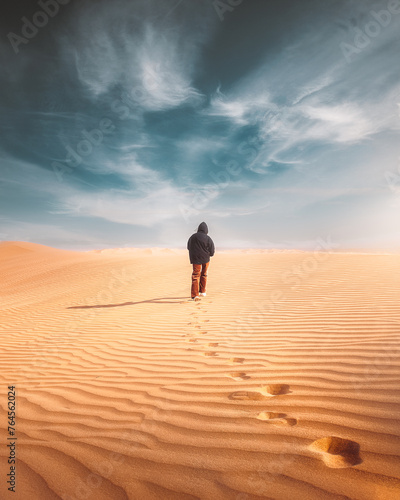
276 385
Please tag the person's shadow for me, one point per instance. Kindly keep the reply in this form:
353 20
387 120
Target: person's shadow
161 300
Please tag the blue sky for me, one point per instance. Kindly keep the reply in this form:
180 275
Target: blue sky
127 123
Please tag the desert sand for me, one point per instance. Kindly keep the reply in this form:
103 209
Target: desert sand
282 383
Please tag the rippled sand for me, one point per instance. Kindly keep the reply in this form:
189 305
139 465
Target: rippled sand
283 383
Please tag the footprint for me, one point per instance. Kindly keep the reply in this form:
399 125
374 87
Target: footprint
270 415
290 421
276 389
212 344
277 418
246 396
236 360
238 375
337 452
210 353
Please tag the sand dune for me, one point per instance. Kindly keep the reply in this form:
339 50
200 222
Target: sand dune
282 383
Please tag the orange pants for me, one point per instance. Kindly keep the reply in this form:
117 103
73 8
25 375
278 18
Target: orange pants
199 276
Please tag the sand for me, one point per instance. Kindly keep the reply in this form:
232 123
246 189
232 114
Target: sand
283 383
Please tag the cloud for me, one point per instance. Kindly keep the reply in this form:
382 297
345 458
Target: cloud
341 123
233 109
124 206
270 133
330 104
147 199
152 58
163 73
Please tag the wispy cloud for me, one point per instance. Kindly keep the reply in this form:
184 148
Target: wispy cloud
236 110
267 132
124 207
152 58
321 108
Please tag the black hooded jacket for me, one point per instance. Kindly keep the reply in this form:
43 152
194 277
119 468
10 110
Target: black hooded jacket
200 246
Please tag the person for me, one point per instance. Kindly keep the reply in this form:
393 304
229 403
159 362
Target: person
201 248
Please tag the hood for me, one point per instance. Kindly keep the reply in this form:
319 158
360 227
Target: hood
203 228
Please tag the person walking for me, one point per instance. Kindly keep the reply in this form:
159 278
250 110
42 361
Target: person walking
201 248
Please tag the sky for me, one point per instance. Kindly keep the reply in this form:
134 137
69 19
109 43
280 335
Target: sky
127 123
